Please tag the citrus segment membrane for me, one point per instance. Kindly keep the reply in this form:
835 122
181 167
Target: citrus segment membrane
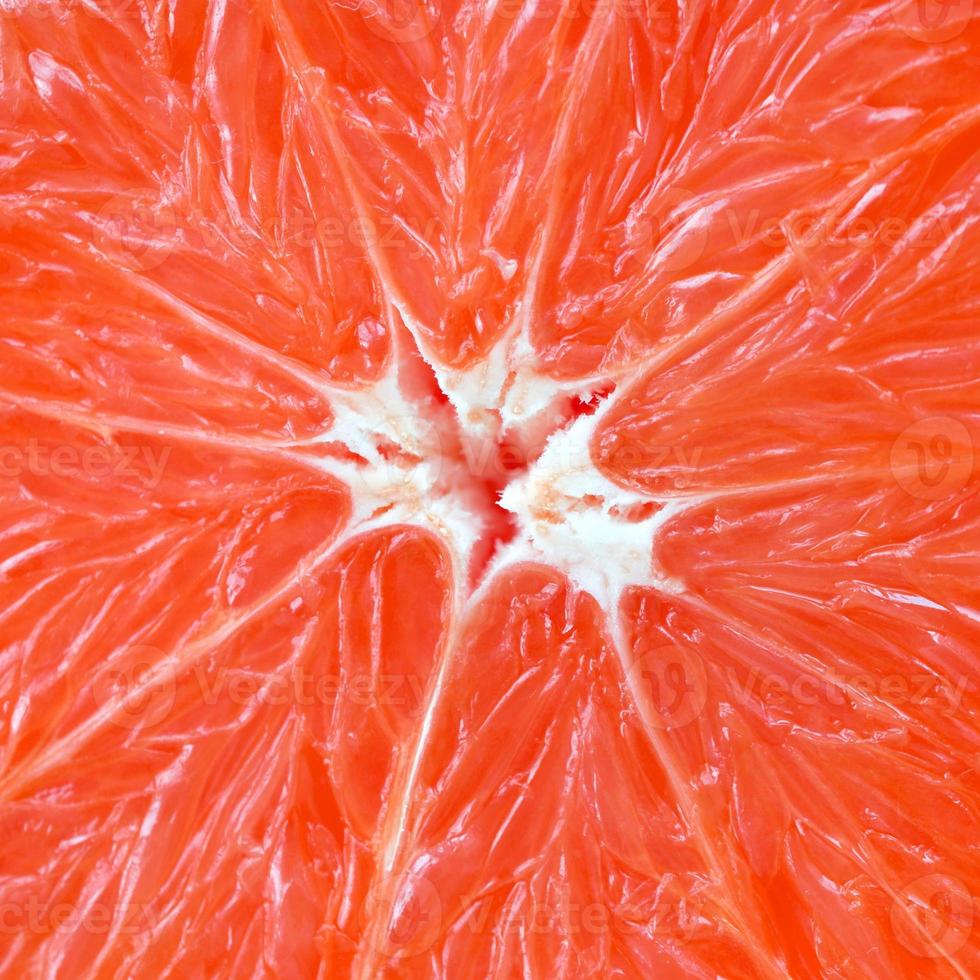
488 491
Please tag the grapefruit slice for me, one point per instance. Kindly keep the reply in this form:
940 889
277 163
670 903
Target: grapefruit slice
489 490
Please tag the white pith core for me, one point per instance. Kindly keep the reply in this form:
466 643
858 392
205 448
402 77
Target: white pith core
567 513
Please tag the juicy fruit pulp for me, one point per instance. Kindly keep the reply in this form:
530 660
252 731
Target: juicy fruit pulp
294 292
